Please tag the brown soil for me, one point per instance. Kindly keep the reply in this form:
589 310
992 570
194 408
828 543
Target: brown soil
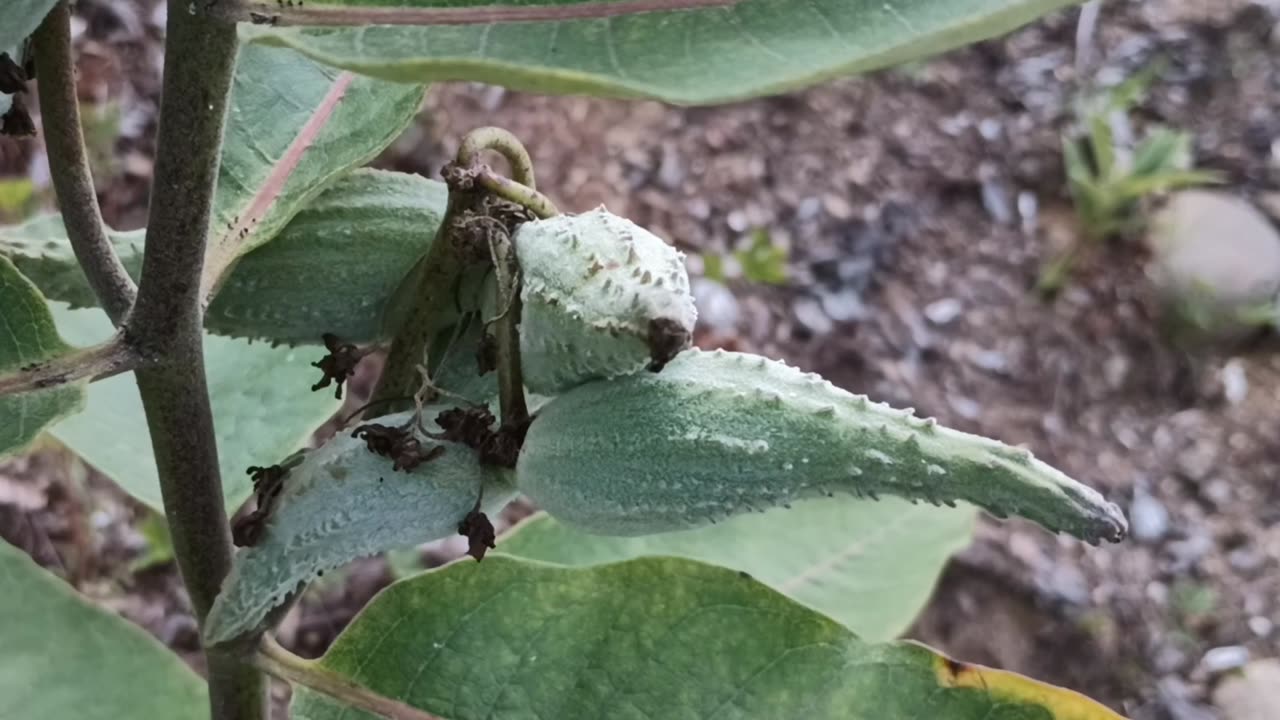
917 206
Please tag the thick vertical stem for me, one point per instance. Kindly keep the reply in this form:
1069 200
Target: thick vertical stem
166 324
69 165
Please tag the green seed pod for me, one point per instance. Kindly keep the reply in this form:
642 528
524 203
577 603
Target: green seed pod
342 502
602 297
717 434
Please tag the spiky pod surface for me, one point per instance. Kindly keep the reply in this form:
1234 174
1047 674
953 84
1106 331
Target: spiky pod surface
592 288
716 434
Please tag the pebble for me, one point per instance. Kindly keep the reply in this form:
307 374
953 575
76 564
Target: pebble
717 306
944 311
843 305
1235 384
1261 626
1214 257
1221 659
964 407
809 313
1148 518
1253 694
1246 560
1174 695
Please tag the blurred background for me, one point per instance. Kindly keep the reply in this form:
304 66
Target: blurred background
1065 238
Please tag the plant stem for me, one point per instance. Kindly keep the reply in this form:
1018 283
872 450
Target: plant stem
505 144
515 413
166 321
281 663
69 164
509 189
112 357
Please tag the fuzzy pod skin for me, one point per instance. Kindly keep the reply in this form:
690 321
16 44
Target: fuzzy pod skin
602 297
343 502
717 434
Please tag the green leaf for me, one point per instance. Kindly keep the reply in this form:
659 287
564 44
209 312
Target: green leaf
871 566
649 638
39 248
332 268
28 336
335 266
341 502
709 55
293 128
263 409
20 18
65 658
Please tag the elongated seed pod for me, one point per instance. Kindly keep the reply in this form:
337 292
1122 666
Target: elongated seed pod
343 502
602 297
717 434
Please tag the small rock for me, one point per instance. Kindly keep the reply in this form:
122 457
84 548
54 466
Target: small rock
1148 518
717 305
1235 384
1186 553
965 407
944 311
1253 694
844 305
995 198
1261 626
1246 559
1216 259
809 312
671 169
992 361
1221 659
1174 695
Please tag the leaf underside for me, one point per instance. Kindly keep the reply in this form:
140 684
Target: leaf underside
648 638
27 337
65 658
870 566
710 55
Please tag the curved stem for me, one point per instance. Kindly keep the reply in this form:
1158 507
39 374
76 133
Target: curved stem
505 144
522 195
112 357
69 165
273 659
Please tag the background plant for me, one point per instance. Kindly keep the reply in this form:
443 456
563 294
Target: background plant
1110 172
273 167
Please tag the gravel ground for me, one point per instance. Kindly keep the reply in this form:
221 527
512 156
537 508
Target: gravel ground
916 207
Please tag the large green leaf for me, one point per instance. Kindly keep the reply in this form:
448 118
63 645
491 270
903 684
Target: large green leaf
331 269
749 48
335 266
65 658
649 638
27 337
263 409
20 18
869 565
293 127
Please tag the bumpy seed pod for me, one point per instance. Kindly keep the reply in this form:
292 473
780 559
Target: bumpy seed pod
602 297
716 434
342 502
